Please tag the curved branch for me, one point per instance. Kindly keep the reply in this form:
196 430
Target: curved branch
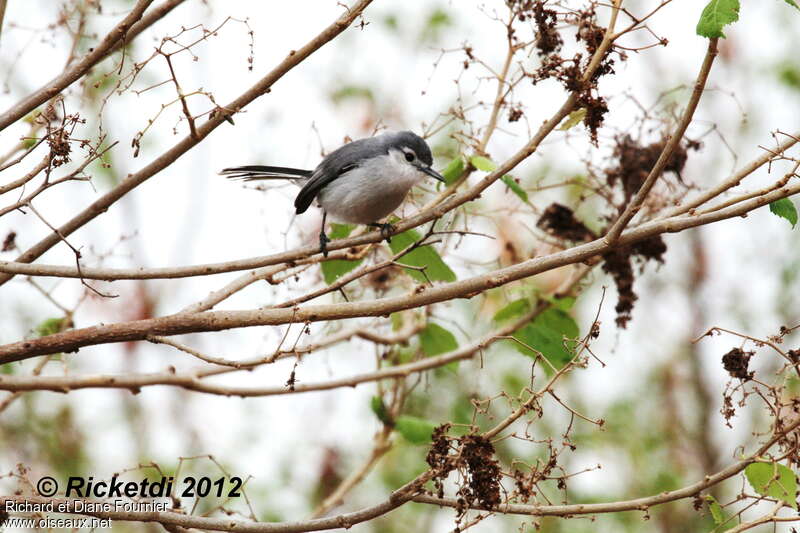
737 177
638 200
73 73
192 381
767 518
102 204
402 495
70 341
638 504
113 274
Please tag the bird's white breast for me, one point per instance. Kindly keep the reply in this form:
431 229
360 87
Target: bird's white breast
371 191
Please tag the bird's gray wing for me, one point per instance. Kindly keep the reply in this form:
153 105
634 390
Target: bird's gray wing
335 164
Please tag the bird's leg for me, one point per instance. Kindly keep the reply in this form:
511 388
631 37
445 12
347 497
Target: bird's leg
323 239
386 229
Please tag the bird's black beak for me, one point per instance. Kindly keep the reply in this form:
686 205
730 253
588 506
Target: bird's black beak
432 173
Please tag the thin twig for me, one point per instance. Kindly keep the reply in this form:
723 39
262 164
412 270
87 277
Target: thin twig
637 201
72 74
221 320
134 180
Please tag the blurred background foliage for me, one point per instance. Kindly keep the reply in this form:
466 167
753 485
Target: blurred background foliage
659 395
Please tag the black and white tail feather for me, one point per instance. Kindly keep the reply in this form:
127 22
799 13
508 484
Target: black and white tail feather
262 172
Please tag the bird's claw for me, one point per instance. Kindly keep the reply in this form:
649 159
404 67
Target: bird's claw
323 243
386 230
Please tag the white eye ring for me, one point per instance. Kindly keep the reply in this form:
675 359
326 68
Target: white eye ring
409 155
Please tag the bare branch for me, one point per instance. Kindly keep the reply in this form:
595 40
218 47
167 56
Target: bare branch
737 177
192 381
73 73
152 16
2 13
408 492
765 519
170 518
222 320
638 504
27 177
637 201
102 204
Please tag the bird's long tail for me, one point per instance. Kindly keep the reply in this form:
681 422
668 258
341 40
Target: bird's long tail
261 172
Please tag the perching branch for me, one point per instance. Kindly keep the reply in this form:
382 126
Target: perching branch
113 274
221 320
294 58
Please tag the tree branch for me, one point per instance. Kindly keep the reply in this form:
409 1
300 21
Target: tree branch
637 201
171 518
193 381
407 492
73 73
152 16
737 177
113 274
70 341
102 204
638 504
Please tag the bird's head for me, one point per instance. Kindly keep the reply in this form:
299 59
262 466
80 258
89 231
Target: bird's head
416 152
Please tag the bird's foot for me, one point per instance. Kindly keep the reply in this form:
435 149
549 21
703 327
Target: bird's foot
323 243
386 229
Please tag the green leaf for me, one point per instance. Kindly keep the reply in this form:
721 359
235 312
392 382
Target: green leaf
352 93
716 510
404 354
340 231
335 268
789 75
424 256
483 163
391 22
437 21
716 15
436 340
793 4
439 18
397 321
515 188
415 430
512 310
784 208
50 326
573 119
453 170
550 334
564 303
773 479
379 408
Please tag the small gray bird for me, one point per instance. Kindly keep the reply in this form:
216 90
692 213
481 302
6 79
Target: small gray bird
360 183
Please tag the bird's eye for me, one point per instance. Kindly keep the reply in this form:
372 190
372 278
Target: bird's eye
409 156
